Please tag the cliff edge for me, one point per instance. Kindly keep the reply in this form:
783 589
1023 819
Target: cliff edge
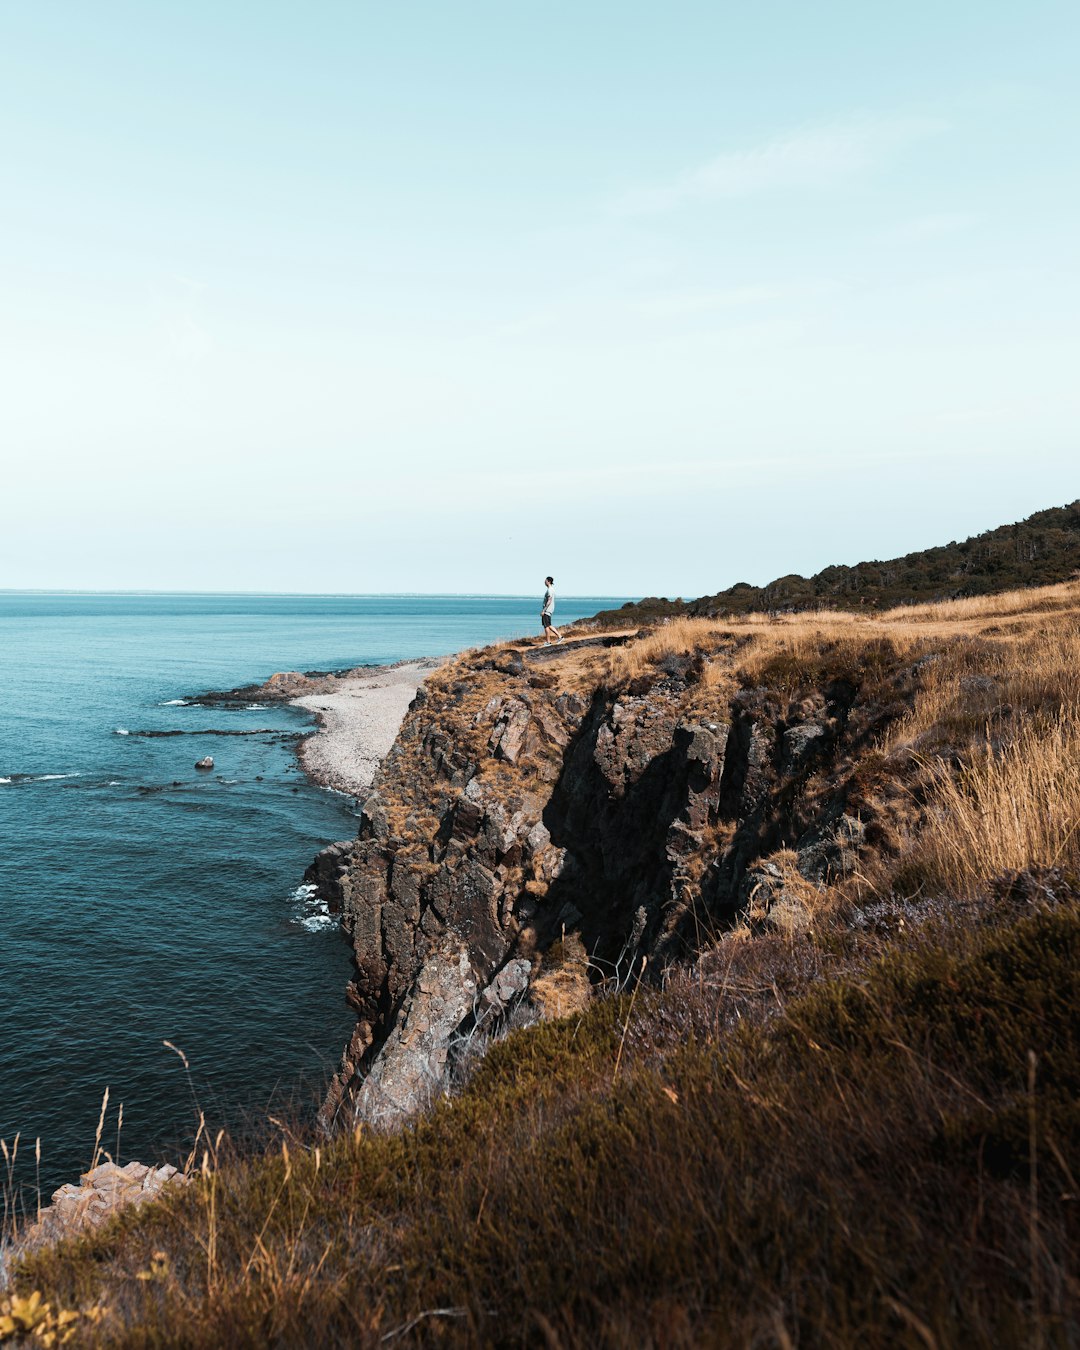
548 820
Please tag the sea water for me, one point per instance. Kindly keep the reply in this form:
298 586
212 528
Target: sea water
143 901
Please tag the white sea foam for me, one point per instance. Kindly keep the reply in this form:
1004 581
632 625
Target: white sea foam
122 731
317 923
37 778
309 910
174 703
255 707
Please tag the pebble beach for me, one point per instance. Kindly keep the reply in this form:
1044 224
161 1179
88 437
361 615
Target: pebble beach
357 723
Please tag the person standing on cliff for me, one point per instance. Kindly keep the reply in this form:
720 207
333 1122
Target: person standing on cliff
548 611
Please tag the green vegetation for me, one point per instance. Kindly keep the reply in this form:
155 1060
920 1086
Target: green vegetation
1039 551
887 1159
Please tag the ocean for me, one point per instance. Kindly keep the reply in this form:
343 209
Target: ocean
142 901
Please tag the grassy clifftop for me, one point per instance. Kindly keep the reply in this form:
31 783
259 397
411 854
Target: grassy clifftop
888 1158
848 1118
1038 551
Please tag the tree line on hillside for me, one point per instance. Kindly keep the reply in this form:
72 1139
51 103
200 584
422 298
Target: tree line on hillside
1038 551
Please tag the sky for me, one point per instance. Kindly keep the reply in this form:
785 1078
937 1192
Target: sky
446 296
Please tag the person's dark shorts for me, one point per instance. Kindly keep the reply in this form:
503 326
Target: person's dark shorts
545 619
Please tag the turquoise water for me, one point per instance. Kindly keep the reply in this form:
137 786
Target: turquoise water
142 901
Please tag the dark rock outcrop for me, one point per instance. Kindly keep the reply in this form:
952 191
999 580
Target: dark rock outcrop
509 816
327 871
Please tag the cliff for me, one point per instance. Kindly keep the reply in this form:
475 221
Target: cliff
839 1108
547 814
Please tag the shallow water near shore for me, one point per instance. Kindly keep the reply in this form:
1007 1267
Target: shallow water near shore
142 900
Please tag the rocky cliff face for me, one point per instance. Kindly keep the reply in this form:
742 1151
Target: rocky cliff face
526 802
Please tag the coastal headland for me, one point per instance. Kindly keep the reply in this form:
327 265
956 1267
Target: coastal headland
716 977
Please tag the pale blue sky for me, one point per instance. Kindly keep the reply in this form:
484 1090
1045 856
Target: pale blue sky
446 296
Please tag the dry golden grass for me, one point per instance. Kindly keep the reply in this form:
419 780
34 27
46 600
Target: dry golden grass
992 730
677 637
563 992
1044 599
760 638
1012 808
1033 671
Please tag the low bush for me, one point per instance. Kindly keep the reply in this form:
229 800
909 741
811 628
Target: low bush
884 1157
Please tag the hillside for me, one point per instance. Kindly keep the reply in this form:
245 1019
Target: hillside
714 985
1038 551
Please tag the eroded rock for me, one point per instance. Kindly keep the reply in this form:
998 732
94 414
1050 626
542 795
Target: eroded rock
327 872
625 822
102 1192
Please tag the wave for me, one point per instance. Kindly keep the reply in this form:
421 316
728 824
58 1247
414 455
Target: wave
175 703
255 707
38 777
317 923
310 911
122 731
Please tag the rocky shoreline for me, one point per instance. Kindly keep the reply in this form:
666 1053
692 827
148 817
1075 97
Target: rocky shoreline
358 713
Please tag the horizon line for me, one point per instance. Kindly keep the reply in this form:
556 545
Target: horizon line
309 595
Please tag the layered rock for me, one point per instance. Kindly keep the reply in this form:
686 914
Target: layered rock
512 812
102 1192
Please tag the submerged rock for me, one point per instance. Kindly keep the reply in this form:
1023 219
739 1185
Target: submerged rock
205 763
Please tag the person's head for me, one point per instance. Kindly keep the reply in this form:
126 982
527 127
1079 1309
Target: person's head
549 581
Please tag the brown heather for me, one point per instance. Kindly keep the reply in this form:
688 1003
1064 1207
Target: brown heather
863 1133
